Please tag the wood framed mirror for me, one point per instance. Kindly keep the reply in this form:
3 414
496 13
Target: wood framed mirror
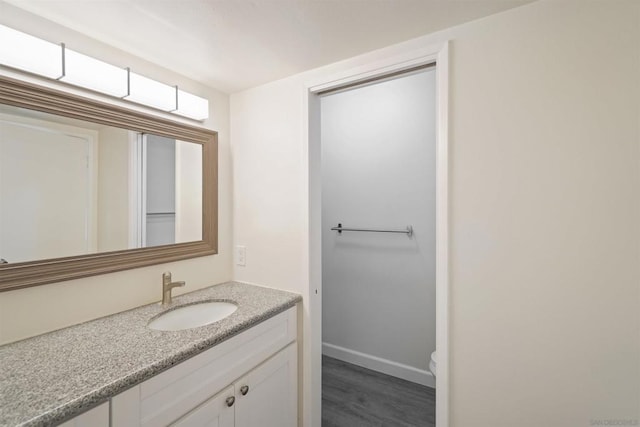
62 221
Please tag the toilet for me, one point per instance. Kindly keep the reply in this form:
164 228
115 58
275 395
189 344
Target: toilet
432 363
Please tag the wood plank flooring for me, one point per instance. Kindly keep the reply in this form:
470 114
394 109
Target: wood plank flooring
357 397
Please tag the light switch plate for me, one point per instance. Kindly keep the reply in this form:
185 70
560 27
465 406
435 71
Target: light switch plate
241 255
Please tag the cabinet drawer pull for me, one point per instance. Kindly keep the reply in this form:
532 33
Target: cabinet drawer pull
244 390
230 401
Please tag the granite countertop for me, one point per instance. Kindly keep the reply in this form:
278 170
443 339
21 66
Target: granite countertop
50 378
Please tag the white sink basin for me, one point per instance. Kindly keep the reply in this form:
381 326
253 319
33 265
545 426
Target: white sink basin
192 316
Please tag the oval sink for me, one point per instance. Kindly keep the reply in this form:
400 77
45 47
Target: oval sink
192 316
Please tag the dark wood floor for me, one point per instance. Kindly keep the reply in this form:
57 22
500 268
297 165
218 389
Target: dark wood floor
357 397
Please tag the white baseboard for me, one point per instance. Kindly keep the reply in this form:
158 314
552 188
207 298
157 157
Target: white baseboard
379 364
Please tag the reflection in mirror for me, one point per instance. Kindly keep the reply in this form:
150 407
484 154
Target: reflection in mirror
70 187
108 189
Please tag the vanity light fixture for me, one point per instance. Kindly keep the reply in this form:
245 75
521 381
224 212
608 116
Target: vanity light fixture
28 53
85 71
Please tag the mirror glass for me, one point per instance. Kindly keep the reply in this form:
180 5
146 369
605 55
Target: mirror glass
70 187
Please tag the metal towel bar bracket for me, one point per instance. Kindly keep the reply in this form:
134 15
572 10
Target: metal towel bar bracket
408 231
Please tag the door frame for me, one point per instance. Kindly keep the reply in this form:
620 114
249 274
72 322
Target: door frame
137 190
438 54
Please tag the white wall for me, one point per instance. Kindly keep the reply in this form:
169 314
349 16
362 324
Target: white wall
32 311
545 192
378 171
188 192
113 189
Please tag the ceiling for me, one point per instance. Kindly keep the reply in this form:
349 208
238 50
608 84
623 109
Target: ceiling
236 44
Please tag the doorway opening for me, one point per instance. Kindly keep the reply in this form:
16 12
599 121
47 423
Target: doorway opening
378 251
325 226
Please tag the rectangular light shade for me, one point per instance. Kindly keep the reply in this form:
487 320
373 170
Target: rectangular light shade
192 106
152 93
90 73
28 53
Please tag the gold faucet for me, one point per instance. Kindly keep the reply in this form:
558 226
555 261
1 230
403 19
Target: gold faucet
167 285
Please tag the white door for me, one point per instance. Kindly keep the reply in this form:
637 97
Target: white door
267 396
46 200
215 412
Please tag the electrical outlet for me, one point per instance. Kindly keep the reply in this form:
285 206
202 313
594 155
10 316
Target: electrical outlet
241 255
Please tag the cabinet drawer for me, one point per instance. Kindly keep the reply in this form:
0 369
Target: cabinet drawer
173 393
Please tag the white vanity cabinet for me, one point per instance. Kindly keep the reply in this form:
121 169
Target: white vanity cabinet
249 380
265 397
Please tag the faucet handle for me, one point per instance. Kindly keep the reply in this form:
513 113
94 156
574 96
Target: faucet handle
166 277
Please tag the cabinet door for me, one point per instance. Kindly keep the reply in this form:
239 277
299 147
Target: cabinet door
215 412
268 395
96 417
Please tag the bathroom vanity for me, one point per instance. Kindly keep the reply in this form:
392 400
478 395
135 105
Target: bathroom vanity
116 371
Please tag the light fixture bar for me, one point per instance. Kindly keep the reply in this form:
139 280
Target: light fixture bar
128 82
64 65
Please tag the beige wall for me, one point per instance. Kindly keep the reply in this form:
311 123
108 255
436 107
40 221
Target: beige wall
113 189
188 192
544 211
544 169
545 214
33 311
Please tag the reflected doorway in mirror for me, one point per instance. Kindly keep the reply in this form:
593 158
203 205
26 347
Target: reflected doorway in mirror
167 191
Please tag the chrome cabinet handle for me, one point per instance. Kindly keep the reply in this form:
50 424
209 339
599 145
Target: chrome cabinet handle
230 401
244 390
